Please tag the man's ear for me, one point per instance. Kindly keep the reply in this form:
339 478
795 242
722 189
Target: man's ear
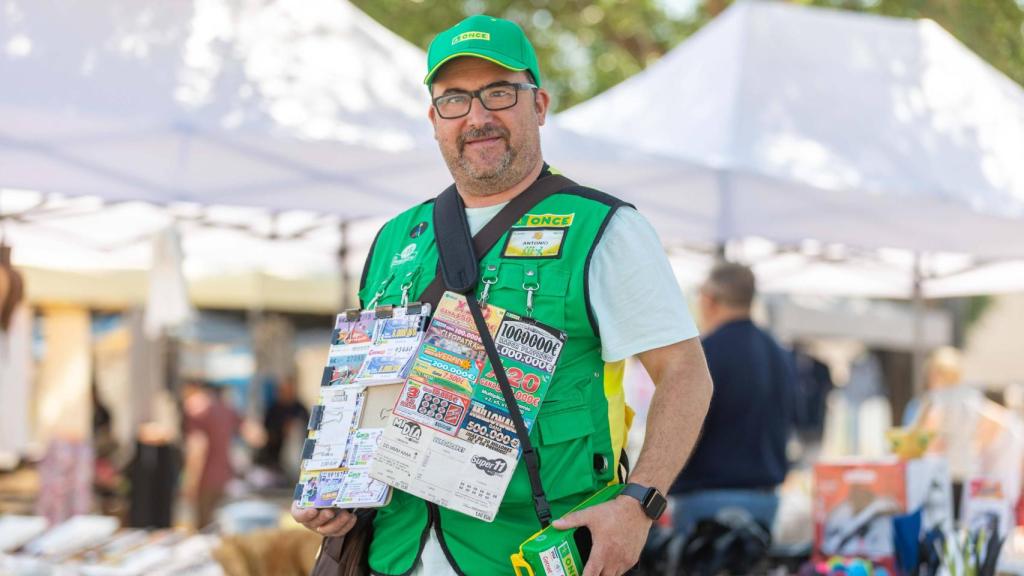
432 116
541 101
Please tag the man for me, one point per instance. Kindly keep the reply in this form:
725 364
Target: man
210 426
606 282
741 457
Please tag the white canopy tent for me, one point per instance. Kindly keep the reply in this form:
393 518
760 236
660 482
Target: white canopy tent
811 268
211 103
845 129
172 111
306 110
206 102
291 104
830 126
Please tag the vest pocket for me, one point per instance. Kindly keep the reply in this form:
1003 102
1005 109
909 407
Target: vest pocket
549 284
566 461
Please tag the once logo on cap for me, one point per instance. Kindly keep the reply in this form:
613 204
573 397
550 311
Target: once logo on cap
471 36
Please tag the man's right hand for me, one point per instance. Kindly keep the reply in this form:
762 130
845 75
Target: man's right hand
325 522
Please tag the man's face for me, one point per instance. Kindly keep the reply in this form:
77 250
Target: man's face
492 150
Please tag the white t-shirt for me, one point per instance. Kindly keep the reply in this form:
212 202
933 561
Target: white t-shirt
629 274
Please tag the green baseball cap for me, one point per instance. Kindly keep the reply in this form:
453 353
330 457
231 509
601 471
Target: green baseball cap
500 41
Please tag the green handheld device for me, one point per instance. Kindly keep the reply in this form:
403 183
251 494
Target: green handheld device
553 552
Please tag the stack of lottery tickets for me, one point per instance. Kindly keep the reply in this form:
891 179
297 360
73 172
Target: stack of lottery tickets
450 439
370 350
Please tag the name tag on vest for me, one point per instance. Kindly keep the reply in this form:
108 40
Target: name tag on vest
534 243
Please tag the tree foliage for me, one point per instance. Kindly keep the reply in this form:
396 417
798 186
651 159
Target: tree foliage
585 47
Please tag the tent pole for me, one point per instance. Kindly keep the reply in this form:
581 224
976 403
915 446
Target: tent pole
917 381
724 223
346 280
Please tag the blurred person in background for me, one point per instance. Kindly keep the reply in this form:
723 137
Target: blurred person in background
156 462
813 385
106 477
740 458
978 437
210 427
943 372
285 424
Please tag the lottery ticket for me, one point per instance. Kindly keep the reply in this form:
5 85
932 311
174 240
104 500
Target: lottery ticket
350 343
364 445
393 349
319 489
452 440
359 489
433 406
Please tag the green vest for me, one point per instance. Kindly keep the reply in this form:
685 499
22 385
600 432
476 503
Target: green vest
582 425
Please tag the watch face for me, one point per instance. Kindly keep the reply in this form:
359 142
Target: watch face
652 502
657 505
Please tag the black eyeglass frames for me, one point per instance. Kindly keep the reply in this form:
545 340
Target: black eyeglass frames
493 97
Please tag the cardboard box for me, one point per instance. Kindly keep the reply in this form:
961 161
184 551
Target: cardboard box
855 500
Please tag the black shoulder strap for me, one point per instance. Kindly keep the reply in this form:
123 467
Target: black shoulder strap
530 457
458 256
458 263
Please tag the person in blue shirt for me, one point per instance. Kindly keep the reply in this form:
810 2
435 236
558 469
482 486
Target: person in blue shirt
740 458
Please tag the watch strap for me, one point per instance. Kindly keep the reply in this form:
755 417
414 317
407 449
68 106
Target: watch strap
651 500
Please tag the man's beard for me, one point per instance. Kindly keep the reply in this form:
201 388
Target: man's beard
491 179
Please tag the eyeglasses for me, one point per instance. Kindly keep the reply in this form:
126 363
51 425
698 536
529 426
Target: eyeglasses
494 97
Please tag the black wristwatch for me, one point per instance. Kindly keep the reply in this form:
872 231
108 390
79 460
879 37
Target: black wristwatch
650 499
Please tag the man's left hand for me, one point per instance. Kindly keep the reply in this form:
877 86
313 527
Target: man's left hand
619 529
